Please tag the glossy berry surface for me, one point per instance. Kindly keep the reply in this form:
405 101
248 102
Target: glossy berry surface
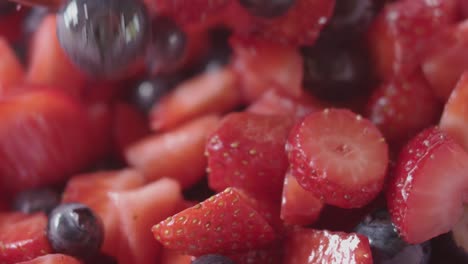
352 15
212 259
150 91
74 229
32 201
104 37
267 8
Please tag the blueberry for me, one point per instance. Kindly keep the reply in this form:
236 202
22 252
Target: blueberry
353 15
36 200
167 46
150 91
74 229
386 245
6 7
103 37
219 53
267 8
213 259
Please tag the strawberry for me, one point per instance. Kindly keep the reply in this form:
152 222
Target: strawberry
262 65
339 156
298 206
321 246
137 210
399 36
44 139
429 187
53 259
10 24
454 119
93 190
22 237
274 103
214 92
100 116
11 70
169 256
401 108
175 154
247 151
48 63
224 223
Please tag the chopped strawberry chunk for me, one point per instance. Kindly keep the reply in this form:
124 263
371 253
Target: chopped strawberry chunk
53 259
176 154
339 156
11 70
454 119
22 237
430 184
247 151
100 116
224 223
305 246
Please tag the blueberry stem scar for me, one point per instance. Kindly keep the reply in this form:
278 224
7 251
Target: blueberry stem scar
52 4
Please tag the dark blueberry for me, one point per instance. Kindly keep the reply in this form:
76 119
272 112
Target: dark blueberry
167 45
386 244
74 229
213 259
335 73
36 200
33 20
103 37
101 259
150 91
219 53
267 8
6 7
446 250
352 14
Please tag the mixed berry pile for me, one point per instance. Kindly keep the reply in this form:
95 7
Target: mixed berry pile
234 131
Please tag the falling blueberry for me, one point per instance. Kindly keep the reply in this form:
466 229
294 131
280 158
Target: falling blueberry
36 200
267 8
74 229
213 259
149 91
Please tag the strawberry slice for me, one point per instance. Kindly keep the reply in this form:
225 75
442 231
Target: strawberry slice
430 184
320 246
402 108
214 92
339 156
101 118
261 66
11 70
176 154
400 34
224 223
137 211
44 139
298 206
53 259
10 24
247 151
454 119
22 237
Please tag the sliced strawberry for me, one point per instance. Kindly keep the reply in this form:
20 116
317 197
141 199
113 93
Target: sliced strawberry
299 207
175 154
93 189
402 108
454 119
53 259
137 211
11 70
247 151
169 256
429 187
339 156
48 63
214 92
22 237
400 34
10 24
44 138
320 246
274 103
101 119
262 65
129 126
224 223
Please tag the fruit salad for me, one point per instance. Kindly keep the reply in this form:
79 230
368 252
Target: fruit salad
234 131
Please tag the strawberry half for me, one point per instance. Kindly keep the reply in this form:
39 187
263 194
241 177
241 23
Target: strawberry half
430 184
53 259
339 156
247 151
309 246
22 237
224 223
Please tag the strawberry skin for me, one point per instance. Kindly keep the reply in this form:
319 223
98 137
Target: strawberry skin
309 246
22 237
339 156
247 151
53 259
224 223
430 184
